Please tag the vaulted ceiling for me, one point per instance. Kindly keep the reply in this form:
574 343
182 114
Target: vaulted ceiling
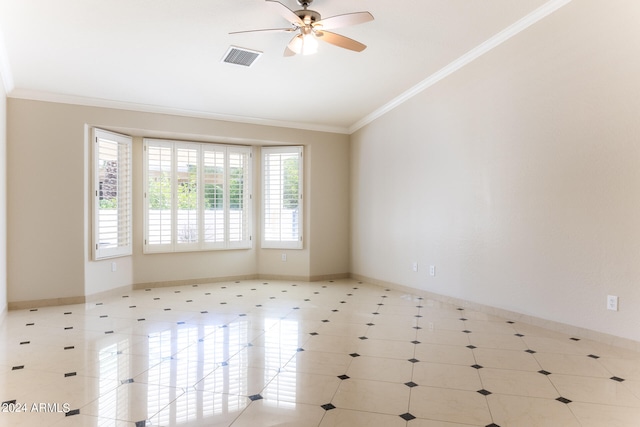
165 55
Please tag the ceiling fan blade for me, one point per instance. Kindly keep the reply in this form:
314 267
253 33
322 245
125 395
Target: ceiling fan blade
266 30
341 41
344 20
286 13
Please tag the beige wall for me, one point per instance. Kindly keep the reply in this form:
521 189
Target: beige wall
518 177
3 199
49 214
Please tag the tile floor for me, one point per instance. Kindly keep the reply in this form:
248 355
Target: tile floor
323 354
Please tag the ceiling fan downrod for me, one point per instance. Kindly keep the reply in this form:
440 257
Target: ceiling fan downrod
305 3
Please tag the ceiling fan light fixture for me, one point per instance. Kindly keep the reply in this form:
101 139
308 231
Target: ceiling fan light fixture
304 44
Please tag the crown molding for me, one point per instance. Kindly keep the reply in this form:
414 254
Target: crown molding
504 35
34 95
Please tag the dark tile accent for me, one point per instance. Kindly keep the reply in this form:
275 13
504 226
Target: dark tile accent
242 315
72 413
466 331
464 319
325 321
180 323
176 292
30 324
511 322
593 356
132 306
484 392
307 299
417 327
407 417
327 406
334 310
492 425
141 319
99 303
127 381
156 299
543 372
167 309
223 303
344 377
343 302
300 349
419 306
103 316
15 368
363 338
68 328
415 342
471 347
25 342
296 308
255 397
194 286
34 309
205 312
207 293
563 400
417 315
460 309
125 296
70 374
370 324
258 305
143 423
313 333
477 366
519 335
69 347
411 384
530 351
414 360
375 313
108 332
67 312
575 339
147 290
617 379
354 355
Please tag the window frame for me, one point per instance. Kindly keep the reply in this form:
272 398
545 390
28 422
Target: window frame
124 236
227 242
267 243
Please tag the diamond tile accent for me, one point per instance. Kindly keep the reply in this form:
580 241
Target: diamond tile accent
543 372
415 342
617 379
413 360
407 417
363 338
484 392
593 356
519 335
354 355
255 397
529 351
328 406
411 384
72 413
471 347
344 377
477 366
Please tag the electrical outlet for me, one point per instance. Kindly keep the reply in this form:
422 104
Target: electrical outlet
612 302
283 257
432 270
415 266
114 267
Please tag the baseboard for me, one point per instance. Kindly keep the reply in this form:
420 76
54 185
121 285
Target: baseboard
201 281
122 290
21 305
574 331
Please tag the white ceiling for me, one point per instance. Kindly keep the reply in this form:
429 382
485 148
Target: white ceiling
165 55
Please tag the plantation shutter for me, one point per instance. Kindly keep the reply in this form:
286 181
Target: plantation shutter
159 196
282 169
112 194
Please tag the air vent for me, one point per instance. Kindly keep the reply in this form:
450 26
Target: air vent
241 56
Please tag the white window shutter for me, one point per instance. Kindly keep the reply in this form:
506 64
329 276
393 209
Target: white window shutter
112 194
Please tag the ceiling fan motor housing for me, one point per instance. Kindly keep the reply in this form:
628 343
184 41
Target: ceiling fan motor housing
308 16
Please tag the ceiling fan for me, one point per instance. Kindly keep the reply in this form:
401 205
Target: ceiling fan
311 27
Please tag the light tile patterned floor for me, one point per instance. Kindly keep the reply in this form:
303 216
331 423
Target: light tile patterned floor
323 354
